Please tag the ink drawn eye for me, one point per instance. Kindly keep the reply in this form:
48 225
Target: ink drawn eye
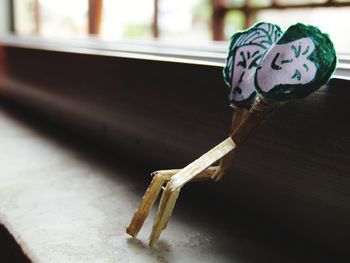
254 63
237 90
273 63
297 74
306 50
242 63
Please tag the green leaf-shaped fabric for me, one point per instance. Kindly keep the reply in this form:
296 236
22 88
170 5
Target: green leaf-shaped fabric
246 49
301 61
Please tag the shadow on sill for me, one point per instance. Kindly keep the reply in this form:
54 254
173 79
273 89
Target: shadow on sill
11 251
252 240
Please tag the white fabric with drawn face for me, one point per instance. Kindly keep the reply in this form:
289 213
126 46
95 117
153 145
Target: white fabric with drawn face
250 49
287 64
247 59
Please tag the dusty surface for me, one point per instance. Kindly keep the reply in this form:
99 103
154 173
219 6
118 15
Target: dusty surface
63 206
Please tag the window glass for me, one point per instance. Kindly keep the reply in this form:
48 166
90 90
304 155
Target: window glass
178 20
187 20
294 2
321 17
64 18
235 2
24 17
127 19
234 21
261 2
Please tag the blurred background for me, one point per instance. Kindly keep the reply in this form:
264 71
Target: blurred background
182 21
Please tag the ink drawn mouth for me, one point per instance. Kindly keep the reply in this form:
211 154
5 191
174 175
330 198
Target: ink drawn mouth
237 90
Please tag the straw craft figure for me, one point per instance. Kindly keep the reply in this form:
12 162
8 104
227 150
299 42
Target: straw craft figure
265 68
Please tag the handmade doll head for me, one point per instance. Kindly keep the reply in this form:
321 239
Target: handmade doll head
301 61
246 49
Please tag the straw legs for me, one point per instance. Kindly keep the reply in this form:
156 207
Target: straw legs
174 180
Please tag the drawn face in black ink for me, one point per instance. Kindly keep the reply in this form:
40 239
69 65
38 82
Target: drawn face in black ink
248 49
287 64
247 59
